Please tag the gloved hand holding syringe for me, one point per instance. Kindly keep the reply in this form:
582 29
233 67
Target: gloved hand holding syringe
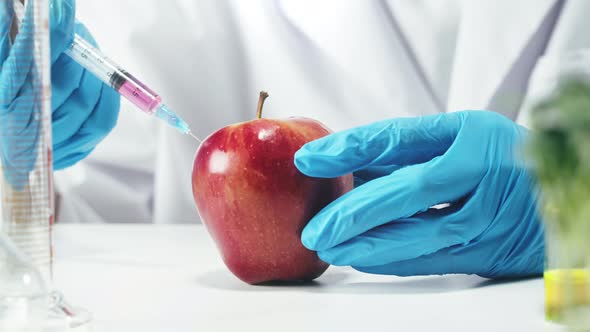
128 86
119 79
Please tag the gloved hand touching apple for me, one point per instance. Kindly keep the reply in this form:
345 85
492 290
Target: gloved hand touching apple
84 110
406 166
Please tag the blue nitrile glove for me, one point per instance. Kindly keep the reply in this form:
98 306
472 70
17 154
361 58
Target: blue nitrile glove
387 225
84 110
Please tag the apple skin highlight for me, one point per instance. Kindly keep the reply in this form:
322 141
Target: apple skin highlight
255 203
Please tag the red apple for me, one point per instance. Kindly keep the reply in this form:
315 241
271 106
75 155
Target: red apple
255 203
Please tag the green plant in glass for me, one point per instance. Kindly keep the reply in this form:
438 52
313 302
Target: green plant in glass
560 150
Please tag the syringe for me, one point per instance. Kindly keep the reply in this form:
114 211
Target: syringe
128 86
112 74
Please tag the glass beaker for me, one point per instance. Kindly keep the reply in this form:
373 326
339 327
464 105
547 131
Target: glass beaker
27 300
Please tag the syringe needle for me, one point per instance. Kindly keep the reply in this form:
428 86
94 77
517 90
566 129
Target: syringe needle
195 137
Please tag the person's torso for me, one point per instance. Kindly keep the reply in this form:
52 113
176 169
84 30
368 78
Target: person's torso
342 63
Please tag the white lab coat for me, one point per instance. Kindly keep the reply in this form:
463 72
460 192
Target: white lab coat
345 63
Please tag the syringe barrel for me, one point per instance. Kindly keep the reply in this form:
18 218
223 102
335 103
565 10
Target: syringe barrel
112 74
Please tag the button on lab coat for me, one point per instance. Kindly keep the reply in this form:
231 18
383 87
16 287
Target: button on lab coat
345 63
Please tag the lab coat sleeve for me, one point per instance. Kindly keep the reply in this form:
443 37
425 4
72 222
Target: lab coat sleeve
568 53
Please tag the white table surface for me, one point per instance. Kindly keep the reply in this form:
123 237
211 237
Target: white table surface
171 278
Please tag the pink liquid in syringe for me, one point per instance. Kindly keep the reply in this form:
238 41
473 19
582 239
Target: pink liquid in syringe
137 93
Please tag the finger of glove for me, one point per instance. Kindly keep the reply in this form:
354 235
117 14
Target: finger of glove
404 193
70 159
374 172
457 259
464 228
68 118
17 66
404 141
6 17
66 77
402 239
62 14
66 74
438 263
71 83
100 122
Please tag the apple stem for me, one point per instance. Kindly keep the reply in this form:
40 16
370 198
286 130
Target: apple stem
263 96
